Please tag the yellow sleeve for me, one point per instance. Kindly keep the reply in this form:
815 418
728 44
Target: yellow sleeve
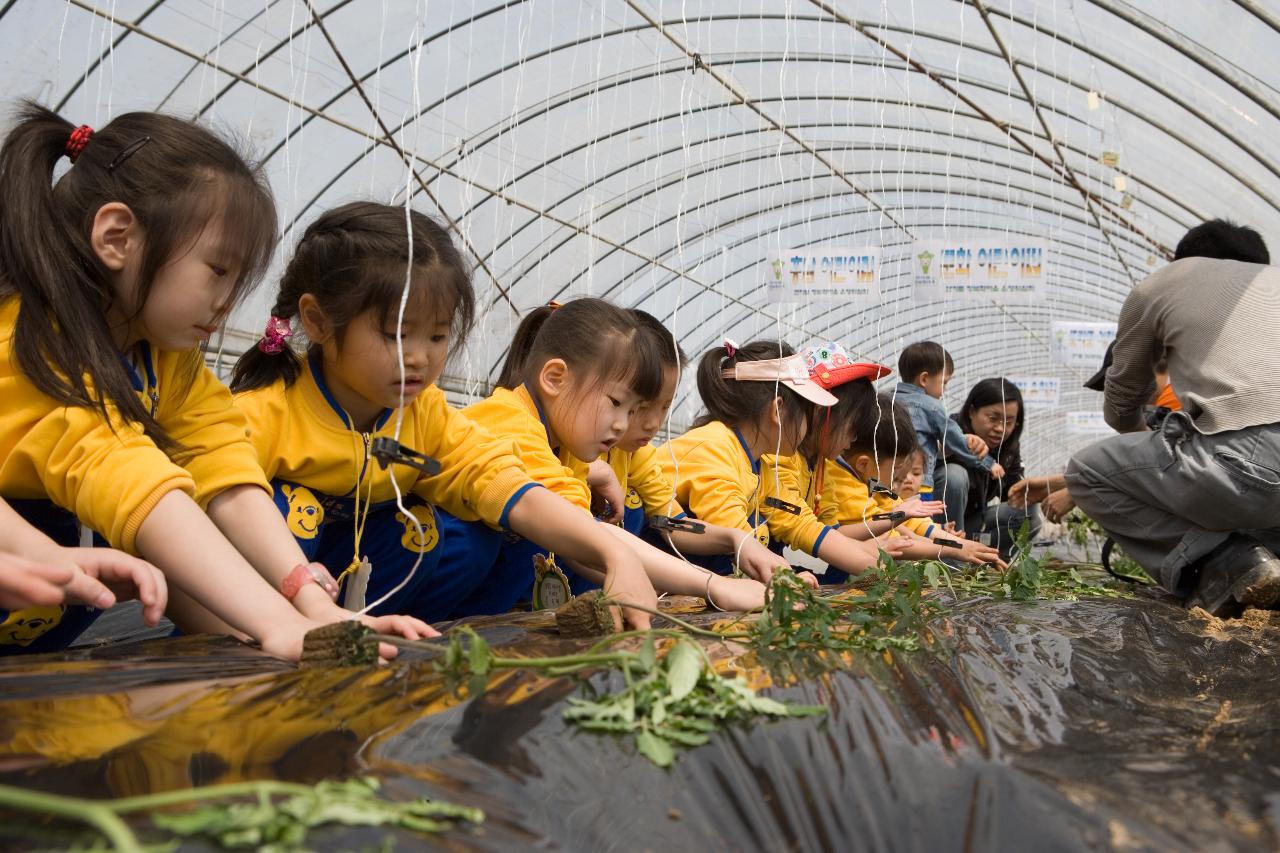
480 476
708 487
651 484
844 499
780 478
266 411
212 431
104 471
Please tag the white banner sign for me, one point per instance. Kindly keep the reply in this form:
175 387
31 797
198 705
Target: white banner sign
1087 423
1039 392
823 275
1081 344
979 269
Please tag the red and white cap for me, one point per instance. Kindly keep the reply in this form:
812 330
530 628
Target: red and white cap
829 365
790 371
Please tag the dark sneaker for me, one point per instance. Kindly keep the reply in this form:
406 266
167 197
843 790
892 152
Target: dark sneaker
1242 573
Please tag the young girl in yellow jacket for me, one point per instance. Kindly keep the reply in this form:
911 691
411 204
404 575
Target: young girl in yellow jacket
111 279
760 399
797 480
854 494
375 353
649 497
571 392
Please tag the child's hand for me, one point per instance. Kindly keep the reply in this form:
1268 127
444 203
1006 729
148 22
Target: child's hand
977 446
736 594
403 626
606 489
1057 505
756 561
956 532
626 582
122 576
974 551
809 578
27 583
914 507
894 545
997 471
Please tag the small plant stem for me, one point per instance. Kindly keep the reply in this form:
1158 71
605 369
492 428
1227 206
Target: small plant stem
98 814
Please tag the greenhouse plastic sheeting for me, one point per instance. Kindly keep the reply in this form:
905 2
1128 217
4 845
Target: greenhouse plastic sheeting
1117 724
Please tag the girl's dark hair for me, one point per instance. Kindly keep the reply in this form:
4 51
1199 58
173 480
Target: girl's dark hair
852 398
883 429
673 357
354 259
736 403
990 392
176 177
921 357
596 339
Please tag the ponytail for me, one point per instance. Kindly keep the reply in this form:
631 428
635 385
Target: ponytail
521 345
177 179
258 367
738 403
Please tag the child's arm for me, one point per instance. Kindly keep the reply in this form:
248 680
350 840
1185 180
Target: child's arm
35 565
248 518
957 449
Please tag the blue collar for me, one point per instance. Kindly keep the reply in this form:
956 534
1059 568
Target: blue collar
318 375
755 463
150 386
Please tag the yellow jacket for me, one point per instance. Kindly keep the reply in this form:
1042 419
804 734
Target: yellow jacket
107 472
643 482
846 499
790 479
302 435
515 415
714 478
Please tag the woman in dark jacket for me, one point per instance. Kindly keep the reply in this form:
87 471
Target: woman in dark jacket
995 413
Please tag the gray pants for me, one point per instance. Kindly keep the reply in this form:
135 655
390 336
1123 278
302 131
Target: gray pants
1172 496
998 524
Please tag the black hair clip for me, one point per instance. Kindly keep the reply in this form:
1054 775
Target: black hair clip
662 522
779 503
878 488
895 516
388 451
127 152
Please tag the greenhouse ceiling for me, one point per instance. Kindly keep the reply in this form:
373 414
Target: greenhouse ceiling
661 154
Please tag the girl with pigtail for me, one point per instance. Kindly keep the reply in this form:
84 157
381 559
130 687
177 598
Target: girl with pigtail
760 400
575 378
368 374
111 280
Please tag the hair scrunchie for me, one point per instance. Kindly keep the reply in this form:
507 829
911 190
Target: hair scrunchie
77 141
276 337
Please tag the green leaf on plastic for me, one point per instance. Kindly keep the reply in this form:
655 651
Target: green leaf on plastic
684 665
656 749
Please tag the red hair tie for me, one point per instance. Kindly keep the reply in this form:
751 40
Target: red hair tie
77 141
275 337
730 348
552 304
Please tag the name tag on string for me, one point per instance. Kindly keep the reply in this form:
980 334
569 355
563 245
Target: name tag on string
357 586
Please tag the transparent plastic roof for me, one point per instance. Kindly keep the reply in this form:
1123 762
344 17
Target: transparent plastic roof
655 153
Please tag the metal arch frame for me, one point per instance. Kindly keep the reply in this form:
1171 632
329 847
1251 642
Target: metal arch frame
1048 132
847 234
1118 292
633 77
747 101
88 7
1007 14
548 251
755 311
